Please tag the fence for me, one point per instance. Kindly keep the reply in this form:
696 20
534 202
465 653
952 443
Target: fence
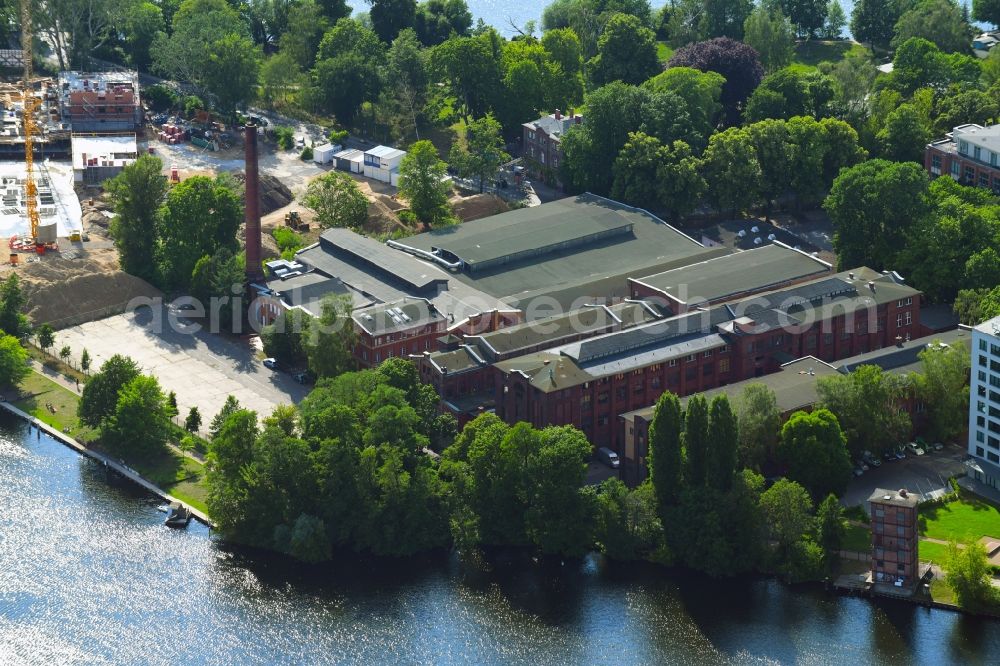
855 555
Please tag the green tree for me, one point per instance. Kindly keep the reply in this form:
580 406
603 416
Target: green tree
388 17
329 346
700 91
142 21
807 15
722 443
12 302
136 194
904 136
437 20
199 218
284 339
774 152
279 75
872 205
483 153
866 404
731 169
308 541
939 21
628 527
172 409
836 21
982 269
337 201
100 394
771 33
193 421
724 18
789 92
637 180
873 21
231 406
757 419
987 11
787 508
181 53
64 353
696 442
45 336
406 78
626 51
814 450
85 360
140 419
665 458
229 457
830 527
306 26
422 182
471 69
967 573
231 72
681 185
13 361
942 385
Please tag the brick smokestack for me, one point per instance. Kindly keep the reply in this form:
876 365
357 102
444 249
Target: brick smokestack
255 272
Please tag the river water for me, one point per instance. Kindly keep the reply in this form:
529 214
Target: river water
88 575
500 13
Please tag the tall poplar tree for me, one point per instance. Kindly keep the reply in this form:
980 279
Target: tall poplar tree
696 440
664 457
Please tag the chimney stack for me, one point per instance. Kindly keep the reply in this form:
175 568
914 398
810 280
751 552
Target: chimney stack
255 272
558 114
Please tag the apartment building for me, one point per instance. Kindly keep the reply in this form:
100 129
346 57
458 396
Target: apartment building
984 403
542 141
970 154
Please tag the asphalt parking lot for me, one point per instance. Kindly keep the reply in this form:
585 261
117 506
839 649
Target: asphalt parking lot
202 368
922 474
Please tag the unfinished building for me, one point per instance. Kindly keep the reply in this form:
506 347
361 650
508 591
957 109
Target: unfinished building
52 134
100 102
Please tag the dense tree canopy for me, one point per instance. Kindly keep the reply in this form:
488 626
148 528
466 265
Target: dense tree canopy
738 63
336 200
814 449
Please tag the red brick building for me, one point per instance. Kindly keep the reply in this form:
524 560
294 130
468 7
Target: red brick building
542 139
588 384
895 555
970 154
399 329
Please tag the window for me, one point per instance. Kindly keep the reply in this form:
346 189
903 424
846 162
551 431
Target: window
602 397
963 147
899 320
690 358
984 179
707 370
811 342
969 174
708 353
602 420
690 373
724 365
673 363
977 152
879 513
542 155
993 159
828 338
899 530
936 163
777 340
955 168
724 350
992 457
909 318
993 443
654 383
980 452
980 437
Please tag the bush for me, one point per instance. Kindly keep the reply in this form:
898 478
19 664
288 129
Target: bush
307 154
337 136
192 104
285 136
409 218
160 97
286 239
857 513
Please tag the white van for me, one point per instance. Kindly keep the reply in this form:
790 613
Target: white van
608 457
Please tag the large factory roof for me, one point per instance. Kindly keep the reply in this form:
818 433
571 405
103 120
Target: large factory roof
738 273
355 247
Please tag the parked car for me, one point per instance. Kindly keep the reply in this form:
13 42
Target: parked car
872 460
858 471
914 449
923 445
900 454
271 363
608 457
938 446
889 456
862 464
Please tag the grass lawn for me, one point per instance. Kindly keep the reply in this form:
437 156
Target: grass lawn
814 51
965 520
663 51
930 551
177 474
857 538
942 593
42 391
55 363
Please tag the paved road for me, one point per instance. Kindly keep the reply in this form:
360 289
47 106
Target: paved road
202 368
922 474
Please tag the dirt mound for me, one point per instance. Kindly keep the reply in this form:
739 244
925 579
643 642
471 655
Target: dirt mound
273 193
65 293
478 206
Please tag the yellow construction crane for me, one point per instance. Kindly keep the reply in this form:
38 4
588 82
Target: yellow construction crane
30 190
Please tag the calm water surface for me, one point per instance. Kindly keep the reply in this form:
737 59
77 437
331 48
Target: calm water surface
88 575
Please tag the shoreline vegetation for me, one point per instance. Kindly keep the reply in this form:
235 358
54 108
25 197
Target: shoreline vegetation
187 479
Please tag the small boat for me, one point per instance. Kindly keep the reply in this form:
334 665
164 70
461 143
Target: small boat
178 515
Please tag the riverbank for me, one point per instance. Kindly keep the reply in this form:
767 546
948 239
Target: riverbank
51 408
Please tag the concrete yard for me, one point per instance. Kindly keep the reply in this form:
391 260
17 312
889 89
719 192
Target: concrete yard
201 368
925 474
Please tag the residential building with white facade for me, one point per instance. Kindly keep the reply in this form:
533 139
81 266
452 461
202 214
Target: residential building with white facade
984 403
